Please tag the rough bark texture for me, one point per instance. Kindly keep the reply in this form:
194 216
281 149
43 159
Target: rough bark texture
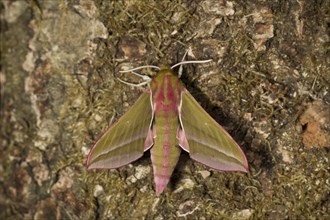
268 85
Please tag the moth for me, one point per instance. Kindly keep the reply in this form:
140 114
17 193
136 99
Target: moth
166 119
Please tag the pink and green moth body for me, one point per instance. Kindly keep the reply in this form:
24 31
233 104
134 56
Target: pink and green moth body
166 119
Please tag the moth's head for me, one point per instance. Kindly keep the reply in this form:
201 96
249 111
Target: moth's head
165 67
165 70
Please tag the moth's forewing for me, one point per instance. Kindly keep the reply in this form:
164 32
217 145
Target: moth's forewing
208 142
124 141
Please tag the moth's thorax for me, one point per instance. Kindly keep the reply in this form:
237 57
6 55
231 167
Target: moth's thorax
166 90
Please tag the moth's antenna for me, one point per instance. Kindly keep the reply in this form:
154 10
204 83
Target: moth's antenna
190 61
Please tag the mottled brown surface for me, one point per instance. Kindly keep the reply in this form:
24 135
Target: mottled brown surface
315 121
268 85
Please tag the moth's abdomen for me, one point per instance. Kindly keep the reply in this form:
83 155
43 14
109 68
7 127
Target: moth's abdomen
165 152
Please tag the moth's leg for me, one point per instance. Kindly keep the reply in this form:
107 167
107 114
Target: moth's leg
140 67
135 85
181 68
146 78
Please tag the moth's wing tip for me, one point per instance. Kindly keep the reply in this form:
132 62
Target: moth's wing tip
245 170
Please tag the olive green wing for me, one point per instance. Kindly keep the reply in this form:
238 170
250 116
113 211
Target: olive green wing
126 140
205 140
